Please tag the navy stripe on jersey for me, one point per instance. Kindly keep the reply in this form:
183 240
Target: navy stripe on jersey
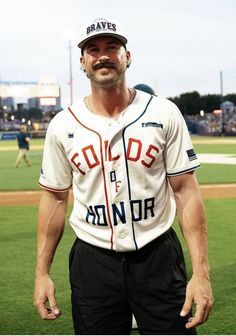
183 171
127 166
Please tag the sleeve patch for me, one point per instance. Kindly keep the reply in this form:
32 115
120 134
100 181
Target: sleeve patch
191 154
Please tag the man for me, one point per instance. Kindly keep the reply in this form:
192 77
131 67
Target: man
131 162
23 140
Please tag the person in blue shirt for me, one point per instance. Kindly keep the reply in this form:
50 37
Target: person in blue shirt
23 139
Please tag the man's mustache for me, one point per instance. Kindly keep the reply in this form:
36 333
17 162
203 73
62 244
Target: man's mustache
104 65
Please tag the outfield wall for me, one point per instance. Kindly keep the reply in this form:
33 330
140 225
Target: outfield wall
12 135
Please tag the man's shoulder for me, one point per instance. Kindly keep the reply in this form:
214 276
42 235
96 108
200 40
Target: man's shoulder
60 117
159 101
65 117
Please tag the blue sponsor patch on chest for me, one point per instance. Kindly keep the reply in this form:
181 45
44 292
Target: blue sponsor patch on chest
152 124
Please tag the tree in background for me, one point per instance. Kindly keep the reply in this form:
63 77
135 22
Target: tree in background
191 103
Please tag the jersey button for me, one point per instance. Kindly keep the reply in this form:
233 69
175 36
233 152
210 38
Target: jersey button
122 234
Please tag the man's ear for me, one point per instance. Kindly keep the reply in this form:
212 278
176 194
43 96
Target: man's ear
82 64
128 56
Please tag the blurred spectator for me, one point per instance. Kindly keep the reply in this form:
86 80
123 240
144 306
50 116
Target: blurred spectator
23 139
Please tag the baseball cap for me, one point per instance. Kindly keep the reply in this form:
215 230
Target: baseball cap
146 88
101 27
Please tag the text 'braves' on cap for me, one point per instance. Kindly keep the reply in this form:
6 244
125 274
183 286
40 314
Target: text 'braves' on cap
101 27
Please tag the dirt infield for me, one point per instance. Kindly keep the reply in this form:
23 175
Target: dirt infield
212 191
22 197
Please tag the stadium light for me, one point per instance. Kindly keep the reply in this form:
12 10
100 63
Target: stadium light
202 113
70 35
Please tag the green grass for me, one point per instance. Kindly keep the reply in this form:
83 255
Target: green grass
216 148
17 260
22 178
13 143
216 173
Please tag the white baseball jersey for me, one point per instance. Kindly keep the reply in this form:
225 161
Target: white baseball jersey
119 169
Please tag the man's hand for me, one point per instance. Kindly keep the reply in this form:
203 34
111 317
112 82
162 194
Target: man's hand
199 292
45 292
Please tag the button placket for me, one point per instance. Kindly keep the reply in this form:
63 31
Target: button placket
122 234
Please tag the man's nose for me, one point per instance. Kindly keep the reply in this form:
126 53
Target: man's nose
103 58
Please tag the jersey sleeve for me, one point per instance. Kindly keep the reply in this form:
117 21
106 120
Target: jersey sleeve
56 172
180 156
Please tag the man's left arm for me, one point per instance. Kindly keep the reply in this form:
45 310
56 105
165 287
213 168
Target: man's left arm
192 219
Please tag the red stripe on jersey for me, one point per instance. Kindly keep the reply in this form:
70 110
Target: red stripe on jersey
103 173
52 189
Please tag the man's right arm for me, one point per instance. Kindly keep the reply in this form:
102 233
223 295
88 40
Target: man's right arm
51 223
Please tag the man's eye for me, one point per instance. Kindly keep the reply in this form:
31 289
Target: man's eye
93 49
112 47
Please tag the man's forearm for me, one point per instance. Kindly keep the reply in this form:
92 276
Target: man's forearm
51 222
192 218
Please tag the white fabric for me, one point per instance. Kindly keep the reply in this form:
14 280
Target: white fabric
119 169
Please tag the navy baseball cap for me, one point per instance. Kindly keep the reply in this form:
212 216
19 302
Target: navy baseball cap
146 88
101 27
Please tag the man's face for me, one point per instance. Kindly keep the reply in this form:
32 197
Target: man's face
105 60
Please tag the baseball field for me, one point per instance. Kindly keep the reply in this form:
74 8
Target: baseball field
19 195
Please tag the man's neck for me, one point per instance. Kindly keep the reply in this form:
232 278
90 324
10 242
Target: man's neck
109 103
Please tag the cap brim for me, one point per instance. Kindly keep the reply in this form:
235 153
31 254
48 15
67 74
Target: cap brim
118 37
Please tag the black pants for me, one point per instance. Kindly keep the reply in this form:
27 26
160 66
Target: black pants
108 287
